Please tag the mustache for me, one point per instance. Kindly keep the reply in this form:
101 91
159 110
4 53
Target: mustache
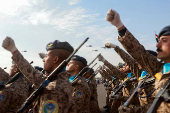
158 50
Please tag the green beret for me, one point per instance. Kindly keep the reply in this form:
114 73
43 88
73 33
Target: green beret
59 45
80 59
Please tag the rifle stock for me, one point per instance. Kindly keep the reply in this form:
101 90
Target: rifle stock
162 95
128 102
122 85
50 78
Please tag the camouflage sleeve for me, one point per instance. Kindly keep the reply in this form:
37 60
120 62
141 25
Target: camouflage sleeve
148 62
109 72
34 76
107 75
116 72
4 76
4 101
102 74
129 61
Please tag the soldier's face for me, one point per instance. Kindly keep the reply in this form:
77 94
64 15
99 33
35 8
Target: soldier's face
48 61
164 49
13 70
71 66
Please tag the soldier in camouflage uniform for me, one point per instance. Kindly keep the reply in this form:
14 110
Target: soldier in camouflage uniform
148 62
116 102
57 95
93 106
81 90
14 94
137 70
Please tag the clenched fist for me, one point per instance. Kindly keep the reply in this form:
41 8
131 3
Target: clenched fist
113 17
110 45
42 55
101 58
8 44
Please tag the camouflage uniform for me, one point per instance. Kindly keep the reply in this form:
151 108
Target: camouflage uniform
93 106
81 95
134 69
57 95
148 63
4 76
14 95
115 71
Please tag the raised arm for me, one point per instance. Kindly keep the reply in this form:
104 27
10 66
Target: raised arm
116 72
127 59
148 62
34 76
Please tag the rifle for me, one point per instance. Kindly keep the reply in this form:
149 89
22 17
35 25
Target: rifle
111 83
106 83
118 82
132 78
162 95
82 72
95 73
128 102
14 78
50 78
88 70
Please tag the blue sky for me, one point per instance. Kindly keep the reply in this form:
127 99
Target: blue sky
34 23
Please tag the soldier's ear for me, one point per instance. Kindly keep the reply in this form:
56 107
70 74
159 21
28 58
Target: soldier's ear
56 59
76 67
16 70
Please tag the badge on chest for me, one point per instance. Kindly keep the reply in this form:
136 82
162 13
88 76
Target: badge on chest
79 94
50 106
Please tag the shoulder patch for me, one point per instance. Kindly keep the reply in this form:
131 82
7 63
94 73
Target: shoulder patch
50 106
79 94
2 97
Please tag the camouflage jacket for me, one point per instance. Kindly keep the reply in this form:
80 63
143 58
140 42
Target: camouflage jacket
81 95
57 95
14 95
148 62
116 72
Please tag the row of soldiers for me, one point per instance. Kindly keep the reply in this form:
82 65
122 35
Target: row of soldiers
58 89
65 85
142 84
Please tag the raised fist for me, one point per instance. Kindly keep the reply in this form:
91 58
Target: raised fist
103 67
42 55
110 45
113 17
101 58
8 44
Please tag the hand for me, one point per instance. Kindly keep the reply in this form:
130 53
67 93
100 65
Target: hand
103 67
8 44
123 109
110 45
114 18
101 58
115 97
42 55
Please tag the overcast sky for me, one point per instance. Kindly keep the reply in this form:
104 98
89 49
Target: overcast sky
34 23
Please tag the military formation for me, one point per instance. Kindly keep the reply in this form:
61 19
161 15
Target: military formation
66 83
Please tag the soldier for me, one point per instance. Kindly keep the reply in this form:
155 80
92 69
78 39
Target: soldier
81 90
14 93
57 95
148 62
93 105
137 70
